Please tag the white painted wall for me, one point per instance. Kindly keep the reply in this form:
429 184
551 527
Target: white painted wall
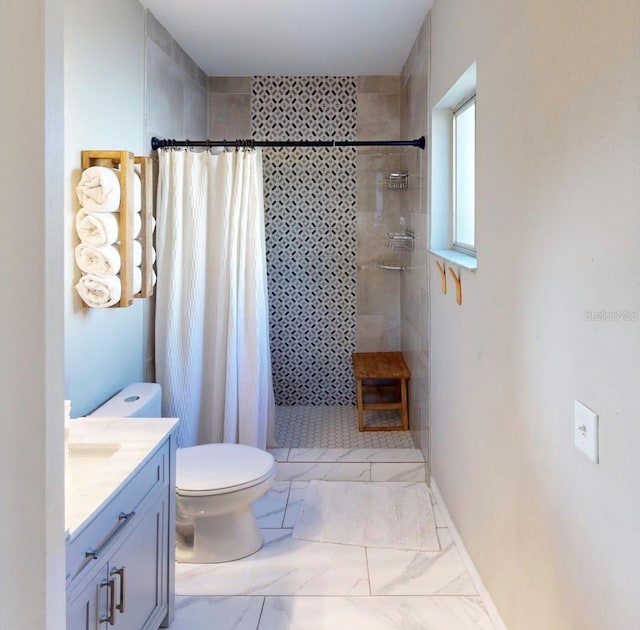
554 536
31 459
104 109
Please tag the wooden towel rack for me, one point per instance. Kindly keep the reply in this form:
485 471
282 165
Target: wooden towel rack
124 162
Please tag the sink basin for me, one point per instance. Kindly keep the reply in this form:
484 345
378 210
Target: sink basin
94 451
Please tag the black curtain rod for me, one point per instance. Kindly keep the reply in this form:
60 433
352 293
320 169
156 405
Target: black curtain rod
157 143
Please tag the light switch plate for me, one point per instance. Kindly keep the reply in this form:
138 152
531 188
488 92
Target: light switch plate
586 430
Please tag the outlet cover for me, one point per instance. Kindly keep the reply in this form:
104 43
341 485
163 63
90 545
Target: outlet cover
586 430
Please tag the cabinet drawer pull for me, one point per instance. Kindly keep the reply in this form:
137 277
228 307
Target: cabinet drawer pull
111 601
123 519
120 572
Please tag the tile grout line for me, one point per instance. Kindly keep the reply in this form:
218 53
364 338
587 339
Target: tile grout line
286 505
366 558
264 601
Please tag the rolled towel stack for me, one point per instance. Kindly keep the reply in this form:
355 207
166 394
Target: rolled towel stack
97 225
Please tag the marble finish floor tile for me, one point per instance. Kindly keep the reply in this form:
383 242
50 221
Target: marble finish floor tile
270 508
374 613
327 471
411 471
296 497
282 567
398 572
355 455
279 454
217 613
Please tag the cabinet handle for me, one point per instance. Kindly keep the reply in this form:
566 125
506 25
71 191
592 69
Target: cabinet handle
111 600
123 519
120 572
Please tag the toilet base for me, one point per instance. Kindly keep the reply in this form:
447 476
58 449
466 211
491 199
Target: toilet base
219 538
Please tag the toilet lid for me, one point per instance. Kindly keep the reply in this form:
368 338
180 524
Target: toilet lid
215 467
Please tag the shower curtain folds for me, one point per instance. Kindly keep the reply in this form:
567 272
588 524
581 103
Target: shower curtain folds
212 329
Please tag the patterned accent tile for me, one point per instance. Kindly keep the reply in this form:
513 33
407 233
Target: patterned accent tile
310 231
304 107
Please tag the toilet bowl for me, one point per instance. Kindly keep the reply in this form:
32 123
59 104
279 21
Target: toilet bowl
215 486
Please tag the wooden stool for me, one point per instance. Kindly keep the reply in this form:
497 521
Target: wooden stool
383 377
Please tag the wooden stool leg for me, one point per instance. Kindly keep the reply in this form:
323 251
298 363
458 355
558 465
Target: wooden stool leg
405 412
359 400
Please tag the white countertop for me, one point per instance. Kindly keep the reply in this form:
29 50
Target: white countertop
90 481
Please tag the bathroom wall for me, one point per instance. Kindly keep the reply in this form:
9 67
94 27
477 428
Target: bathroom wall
104 108
414 291
326 222
551 314
124 82
32 550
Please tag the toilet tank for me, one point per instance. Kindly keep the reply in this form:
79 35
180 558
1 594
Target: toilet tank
138 400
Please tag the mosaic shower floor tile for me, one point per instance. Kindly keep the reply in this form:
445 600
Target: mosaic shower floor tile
324 426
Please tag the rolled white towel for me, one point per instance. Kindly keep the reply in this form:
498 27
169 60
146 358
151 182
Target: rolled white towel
99 292
97 228
137 280
153 255
137 253
154 278
104 261
137 224
99 190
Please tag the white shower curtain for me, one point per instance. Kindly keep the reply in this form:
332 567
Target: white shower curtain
212 321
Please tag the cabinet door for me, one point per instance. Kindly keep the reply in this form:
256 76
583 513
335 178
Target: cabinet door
138 568
89 607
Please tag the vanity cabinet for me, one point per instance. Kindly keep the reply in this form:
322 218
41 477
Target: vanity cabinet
120 566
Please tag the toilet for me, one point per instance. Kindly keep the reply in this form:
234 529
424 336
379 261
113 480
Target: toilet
216 485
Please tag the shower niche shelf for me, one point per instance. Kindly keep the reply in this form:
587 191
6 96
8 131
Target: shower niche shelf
401 241
397 181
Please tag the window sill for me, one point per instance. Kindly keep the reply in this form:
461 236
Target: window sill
456 258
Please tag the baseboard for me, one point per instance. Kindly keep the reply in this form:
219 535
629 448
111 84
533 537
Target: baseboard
492 611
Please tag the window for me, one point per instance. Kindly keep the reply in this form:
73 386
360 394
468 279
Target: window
453 173
463 218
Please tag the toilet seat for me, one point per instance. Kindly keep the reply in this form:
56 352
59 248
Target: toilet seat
211 469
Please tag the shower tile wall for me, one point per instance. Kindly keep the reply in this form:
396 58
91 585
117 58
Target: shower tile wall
379 211
327 220
415 281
